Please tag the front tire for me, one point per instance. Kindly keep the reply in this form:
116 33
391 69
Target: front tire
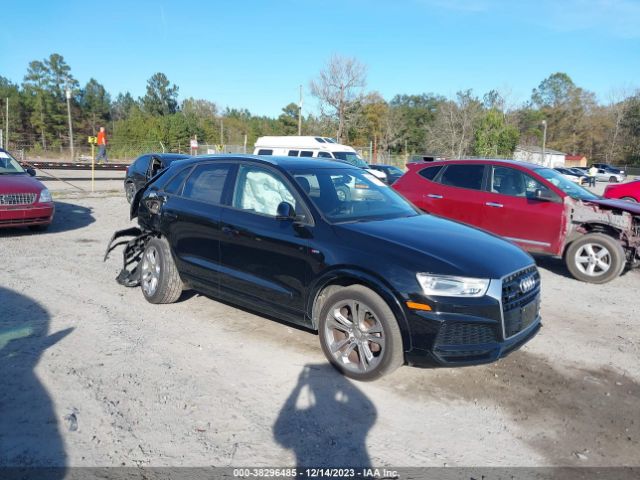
630 199
595 258
613 179
359 333
159 278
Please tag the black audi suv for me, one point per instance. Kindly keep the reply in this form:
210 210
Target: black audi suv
382 283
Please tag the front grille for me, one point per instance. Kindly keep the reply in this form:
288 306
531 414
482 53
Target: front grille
464 333
520 300
17 199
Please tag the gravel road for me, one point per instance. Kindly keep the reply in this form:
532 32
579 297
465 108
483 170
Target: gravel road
93 375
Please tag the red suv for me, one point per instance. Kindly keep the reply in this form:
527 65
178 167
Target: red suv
535 207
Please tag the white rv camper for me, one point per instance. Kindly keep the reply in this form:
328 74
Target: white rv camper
312 147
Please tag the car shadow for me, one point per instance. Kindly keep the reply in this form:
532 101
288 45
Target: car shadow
553 264
572 416
325 421
68 216
29 431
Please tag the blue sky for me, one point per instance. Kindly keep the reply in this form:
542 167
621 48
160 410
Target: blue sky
254 54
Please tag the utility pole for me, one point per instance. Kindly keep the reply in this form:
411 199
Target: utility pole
544 140
70 125
300 113
221 133
6 119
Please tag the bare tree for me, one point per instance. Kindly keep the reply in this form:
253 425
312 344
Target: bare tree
451 133
337 86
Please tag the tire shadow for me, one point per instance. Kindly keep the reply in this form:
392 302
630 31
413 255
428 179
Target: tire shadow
325 421
29 431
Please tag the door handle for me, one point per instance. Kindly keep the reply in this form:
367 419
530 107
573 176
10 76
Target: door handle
494 204
433 195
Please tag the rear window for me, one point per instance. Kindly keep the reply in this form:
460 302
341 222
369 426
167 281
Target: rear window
463 176
141 165
174 185
263 151
430 172
206 183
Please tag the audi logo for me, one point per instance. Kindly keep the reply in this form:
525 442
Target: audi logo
527 284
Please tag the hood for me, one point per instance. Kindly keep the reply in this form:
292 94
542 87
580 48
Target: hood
435 245
20 183
633 208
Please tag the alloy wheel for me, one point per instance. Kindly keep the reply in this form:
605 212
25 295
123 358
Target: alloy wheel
354 335
150 270
593 259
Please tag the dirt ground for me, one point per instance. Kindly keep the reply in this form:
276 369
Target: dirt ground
93 375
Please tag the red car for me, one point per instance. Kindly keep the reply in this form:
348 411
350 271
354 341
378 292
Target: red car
24 201
535 207
626 191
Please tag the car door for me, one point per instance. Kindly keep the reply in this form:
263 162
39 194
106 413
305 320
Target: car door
192 220
513 211
456 193
265 261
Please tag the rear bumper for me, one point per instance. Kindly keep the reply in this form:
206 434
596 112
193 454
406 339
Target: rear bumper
25 215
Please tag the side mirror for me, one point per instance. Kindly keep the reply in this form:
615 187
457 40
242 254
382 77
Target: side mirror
31 171
545 195
285 211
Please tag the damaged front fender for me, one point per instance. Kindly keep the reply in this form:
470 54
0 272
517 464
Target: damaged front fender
134 247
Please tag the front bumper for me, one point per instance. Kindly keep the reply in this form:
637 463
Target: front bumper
471 331
25 215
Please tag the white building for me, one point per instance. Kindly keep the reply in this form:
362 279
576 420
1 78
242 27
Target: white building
533 154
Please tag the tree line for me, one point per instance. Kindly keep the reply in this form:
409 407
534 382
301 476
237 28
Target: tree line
466 125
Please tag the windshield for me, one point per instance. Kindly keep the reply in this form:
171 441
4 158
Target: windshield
9 165
566 185
352 195
352 158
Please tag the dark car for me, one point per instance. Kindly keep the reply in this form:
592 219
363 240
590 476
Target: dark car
381 282
534 207
393 172
144 168
24 201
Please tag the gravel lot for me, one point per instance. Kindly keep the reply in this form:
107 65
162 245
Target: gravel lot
93 375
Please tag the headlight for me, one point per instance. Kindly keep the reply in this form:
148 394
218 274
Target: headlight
45 196
446 286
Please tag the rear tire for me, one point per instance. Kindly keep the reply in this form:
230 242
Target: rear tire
595 258
359 333
159 278
613 179
630 199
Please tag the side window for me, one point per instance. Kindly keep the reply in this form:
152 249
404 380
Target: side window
306 153
463 176
206 183
261 191
264 151
174 186
293 153
155 165
430 172
515 183
324 155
